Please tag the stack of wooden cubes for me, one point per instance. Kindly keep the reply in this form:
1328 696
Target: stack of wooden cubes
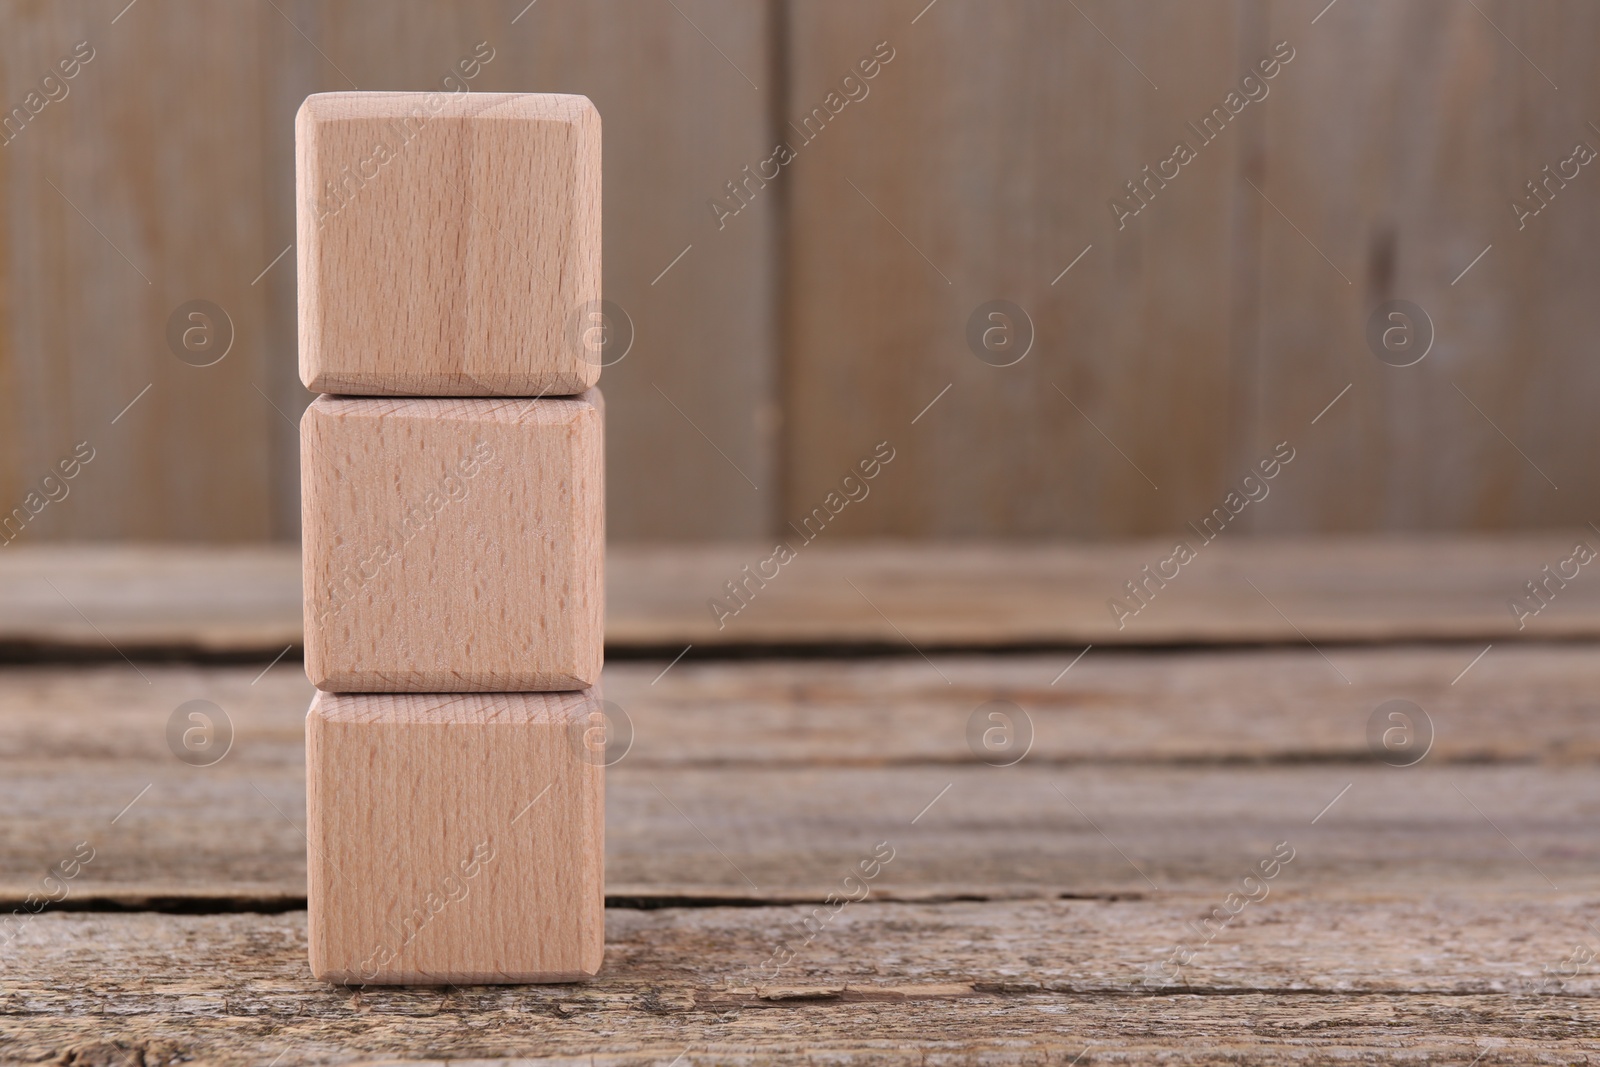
454 530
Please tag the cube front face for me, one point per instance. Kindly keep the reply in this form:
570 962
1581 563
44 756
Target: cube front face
448 243
453 545
455 838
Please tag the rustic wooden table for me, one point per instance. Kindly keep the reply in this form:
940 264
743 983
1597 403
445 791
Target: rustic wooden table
1062 910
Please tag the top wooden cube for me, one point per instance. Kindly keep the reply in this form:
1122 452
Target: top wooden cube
448 243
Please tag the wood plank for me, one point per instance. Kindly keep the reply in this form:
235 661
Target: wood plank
1298 978
142 599
1232 309
977 169
1402 176
782 774
158 175
1514 704
686 834
992 595
246 602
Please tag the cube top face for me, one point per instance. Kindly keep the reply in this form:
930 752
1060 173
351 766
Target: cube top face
448 244
455 838
453 545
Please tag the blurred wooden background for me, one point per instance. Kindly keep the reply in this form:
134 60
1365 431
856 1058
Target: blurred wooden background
828 313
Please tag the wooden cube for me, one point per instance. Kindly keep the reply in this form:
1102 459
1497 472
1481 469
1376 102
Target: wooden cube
448 243
455 838
453 545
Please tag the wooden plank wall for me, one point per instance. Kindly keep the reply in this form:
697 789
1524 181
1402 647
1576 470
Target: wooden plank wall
977 163
139 190
176 141
1210 327
1405 138
979 168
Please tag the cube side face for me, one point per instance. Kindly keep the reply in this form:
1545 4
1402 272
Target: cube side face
464 845
448 244
453 545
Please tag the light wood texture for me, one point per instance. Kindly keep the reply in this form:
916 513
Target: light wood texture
905 597
1369 167
1230 311
1310 978
916 206
143 599
246 603
1414 923
454 545
1187 760
456 838
476 213
176 141
158 176
1207 329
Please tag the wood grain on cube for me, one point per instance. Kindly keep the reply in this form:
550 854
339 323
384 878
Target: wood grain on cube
449 244
455 838
453 545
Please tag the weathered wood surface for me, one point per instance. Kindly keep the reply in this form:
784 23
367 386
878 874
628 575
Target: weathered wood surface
1302 977
1442 912
988 595
791 835
761 781
97 600
246 602
1018 921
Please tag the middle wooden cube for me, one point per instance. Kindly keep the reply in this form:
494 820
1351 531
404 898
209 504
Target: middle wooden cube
453 545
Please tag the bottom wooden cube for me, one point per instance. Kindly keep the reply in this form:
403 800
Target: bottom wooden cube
455 838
